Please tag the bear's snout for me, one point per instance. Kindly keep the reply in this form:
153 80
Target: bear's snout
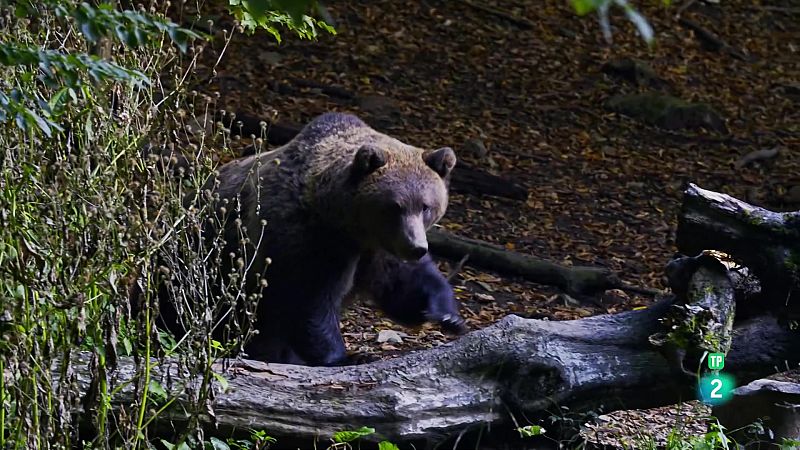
413 251
419 252
413 243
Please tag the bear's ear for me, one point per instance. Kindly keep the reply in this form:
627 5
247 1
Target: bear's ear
441 160
368 159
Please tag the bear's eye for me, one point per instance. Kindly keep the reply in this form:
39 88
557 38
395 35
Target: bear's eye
426 208
396 207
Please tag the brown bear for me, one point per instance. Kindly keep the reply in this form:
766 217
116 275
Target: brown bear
338 194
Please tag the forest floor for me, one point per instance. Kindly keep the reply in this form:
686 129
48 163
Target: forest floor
604 189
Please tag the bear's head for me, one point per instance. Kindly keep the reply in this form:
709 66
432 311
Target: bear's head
400 192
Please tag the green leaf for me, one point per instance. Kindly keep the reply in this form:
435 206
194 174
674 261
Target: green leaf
89 31
40 123
583 7
180 38
788 444
531 430
295 8
22 10
157 390
22 124
257 9
350 436
58 99
221 380
386 445
217 444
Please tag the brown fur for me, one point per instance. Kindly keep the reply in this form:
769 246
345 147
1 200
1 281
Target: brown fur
337 190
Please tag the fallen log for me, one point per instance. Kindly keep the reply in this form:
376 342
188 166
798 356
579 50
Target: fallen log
577 281
467 179
517 366
766 242
711 41
701 320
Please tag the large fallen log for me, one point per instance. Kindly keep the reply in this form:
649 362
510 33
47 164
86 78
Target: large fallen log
766 242
517 366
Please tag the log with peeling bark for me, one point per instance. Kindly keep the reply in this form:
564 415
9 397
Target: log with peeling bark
766 242
701 320
578 281
518 366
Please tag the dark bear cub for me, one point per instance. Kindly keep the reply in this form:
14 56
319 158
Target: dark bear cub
342 201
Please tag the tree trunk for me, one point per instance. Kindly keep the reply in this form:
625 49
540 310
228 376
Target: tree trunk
515 366
766 242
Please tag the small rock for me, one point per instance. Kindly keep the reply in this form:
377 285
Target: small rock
667 112
475 147
389 337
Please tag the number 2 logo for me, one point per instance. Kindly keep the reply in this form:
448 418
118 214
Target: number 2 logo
716 383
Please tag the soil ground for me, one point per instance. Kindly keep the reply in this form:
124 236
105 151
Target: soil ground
603 188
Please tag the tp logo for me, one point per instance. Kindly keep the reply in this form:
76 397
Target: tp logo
716 361
715 388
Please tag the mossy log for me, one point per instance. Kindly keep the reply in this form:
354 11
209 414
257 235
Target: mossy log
766 242
702 317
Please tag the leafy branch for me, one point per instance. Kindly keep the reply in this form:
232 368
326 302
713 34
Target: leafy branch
272 14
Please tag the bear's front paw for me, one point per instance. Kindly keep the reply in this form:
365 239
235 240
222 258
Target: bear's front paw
453 324
356 359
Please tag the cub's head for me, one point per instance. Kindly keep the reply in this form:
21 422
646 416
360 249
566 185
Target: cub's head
400 192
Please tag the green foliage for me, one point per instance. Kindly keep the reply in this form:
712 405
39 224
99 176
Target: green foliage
790 444
677 439
386 445
83 211
271 15
259 440
57 68
531 431
350 436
